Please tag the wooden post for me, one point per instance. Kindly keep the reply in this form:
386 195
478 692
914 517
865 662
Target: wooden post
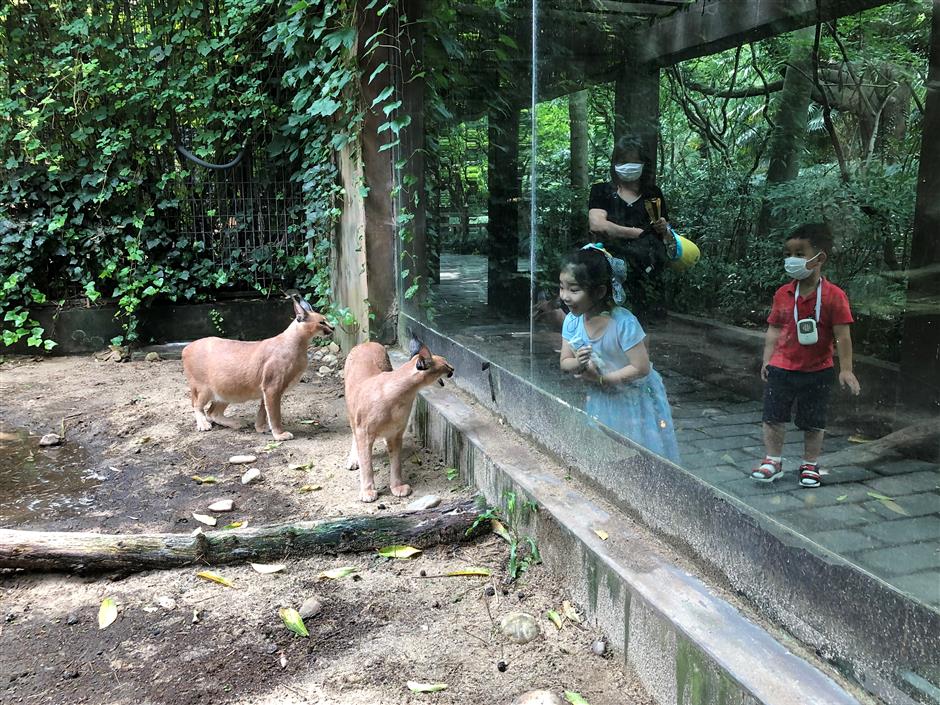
503 205
920 349
636 106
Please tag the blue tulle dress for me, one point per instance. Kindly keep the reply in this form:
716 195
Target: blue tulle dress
638 410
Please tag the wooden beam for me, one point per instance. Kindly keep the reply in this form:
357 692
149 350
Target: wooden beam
710 26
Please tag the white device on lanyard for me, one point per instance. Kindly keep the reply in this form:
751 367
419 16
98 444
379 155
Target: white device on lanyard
806 328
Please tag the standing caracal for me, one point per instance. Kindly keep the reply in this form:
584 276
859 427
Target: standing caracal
222 372
379 401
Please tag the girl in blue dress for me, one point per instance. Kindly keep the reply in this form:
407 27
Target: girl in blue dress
604 345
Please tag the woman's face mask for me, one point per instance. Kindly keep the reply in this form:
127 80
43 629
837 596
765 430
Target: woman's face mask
796 266
631 171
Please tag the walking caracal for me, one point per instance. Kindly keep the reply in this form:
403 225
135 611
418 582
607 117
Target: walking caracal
222 372
379 401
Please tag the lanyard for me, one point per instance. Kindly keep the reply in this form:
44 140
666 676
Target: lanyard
796 296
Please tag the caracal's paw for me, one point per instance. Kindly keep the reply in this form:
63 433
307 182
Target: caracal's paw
284 436
204 424
401 490
368 495
261 428
352 463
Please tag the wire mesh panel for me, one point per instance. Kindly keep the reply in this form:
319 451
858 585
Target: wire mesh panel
245 218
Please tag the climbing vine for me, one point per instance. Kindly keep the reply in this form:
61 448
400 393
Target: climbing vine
98 97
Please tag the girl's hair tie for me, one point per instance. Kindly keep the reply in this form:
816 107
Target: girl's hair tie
618 269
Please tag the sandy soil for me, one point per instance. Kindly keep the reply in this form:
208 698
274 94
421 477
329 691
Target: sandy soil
131 434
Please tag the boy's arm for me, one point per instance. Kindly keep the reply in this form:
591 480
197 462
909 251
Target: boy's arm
847 377
770 342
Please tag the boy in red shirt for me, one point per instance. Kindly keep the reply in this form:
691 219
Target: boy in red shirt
807 315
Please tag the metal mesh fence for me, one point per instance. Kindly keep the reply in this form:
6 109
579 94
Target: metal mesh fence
245 218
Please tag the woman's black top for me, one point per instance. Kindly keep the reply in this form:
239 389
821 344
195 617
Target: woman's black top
645 253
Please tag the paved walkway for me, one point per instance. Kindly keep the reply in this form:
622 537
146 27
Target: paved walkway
881 512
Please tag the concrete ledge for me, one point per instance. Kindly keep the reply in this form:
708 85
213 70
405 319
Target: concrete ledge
841 612
686 644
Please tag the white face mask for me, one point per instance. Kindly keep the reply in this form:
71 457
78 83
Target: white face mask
796 266
629 172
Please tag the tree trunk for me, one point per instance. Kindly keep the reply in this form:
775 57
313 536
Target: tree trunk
91 552
790 119
578 167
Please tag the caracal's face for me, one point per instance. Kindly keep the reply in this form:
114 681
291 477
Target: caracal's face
573 295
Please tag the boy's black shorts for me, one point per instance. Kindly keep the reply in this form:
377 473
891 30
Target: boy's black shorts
809 391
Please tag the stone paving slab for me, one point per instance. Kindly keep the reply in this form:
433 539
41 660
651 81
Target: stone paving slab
831 494
844 541
912 483
900 560
907 530
809 521
848 474
914 505
900 467
924 586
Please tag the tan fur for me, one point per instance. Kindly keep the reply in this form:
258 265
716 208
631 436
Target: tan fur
222 372
379 401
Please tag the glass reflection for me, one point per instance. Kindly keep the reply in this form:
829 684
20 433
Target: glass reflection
662 151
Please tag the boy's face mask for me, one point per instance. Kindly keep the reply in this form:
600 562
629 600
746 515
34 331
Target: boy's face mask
796 266
631 171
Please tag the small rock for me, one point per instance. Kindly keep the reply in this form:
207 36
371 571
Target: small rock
334 348
426 502
519 627
489 591
599 647
538 697
329 359
69 675
50 439
72 618
423 573
152 357
223 505
318 355
251 475
311 607
242 459
167 603
501 666
324 370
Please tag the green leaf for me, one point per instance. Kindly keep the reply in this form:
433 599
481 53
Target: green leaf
107 613
337 573
386 92
399 551
293 621
482 572
416 687
554 617
575 698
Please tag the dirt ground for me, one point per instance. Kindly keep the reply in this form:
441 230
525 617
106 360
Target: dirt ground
132 444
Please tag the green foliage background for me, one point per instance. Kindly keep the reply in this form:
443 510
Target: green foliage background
94 100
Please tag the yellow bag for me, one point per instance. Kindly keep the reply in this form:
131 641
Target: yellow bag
687 253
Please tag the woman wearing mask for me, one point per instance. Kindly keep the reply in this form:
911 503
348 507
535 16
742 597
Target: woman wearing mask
629 214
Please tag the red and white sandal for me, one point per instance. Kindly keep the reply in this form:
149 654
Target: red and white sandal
767 471
809 475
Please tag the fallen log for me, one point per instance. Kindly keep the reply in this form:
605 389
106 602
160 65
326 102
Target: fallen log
921 440
90 552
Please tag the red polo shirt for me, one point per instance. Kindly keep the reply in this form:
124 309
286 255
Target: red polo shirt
833 311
